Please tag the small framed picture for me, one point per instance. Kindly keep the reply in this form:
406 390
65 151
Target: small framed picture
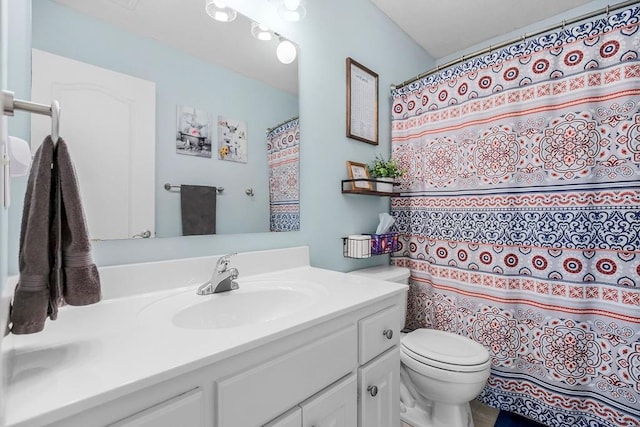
359 171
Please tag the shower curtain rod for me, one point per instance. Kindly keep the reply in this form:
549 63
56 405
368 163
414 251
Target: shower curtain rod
278 125
525 36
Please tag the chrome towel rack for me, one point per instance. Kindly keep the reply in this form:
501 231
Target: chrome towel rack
172 187
10 104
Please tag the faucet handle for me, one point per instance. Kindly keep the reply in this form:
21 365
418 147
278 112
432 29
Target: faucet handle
223 262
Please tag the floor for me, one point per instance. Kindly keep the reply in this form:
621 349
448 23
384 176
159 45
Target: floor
483 415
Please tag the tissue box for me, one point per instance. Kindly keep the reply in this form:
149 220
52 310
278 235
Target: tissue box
384 243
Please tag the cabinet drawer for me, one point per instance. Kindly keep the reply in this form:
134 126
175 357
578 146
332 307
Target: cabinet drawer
184 410
378 332
258 395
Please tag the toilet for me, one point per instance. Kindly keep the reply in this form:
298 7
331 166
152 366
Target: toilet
440 372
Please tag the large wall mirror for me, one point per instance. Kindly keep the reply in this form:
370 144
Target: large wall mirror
189 101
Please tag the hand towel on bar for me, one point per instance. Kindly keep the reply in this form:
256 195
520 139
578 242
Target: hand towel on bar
80 278
31 298
198 207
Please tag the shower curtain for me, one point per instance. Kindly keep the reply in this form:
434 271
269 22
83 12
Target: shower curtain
283 143
520 217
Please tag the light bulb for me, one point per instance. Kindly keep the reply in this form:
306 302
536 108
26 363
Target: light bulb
218 10
290 15
286 52
291 4
261 32
291 10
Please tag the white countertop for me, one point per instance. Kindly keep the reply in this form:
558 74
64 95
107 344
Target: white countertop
96 353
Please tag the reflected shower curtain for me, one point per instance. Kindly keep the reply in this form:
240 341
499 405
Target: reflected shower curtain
283 143
520 218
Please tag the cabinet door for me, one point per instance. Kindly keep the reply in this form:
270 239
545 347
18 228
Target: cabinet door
379 391
335 406
293 418
184 411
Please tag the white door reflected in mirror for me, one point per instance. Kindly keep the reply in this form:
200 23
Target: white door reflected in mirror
111 140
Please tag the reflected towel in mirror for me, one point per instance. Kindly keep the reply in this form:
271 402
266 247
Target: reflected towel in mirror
198 209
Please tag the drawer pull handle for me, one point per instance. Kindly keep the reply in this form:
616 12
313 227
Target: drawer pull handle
373 390
388 333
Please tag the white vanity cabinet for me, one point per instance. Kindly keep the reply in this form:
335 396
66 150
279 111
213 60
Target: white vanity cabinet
185 409
333 407
379 370
379 391
317 375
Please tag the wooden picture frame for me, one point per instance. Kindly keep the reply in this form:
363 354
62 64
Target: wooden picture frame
362 103
359 171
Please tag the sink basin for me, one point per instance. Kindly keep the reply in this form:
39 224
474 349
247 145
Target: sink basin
257 301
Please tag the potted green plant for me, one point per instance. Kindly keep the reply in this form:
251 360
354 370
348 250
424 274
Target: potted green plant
385 170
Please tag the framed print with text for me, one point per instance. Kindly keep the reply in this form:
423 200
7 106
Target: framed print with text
362 103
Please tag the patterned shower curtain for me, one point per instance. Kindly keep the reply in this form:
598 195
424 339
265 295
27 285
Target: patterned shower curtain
520 217
283 143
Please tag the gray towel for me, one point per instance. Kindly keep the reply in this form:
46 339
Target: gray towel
198 207
80 279
55 252
31 297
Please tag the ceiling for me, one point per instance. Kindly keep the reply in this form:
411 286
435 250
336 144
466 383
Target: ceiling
446 27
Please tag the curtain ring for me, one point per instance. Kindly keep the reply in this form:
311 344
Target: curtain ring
563 24
607 11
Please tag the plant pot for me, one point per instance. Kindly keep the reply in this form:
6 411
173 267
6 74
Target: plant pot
385 185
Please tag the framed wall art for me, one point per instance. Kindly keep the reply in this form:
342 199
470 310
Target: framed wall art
359 171
362 103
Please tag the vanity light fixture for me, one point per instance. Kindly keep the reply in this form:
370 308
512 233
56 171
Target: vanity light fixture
260 32
291 10
218 10
286 51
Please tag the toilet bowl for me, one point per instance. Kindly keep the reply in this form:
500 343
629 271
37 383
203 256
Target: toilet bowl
440 372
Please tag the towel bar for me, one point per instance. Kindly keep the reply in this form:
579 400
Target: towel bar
170 187
10 104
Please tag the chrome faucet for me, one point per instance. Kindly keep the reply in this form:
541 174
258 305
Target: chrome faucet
223 278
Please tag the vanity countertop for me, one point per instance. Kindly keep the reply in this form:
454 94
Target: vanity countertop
96 353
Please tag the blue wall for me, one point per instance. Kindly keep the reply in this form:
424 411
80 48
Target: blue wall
326 37
185 80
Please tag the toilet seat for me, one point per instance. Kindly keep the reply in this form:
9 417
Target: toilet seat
445 350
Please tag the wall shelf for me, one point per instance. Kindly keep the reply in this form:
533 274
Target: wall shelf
347 187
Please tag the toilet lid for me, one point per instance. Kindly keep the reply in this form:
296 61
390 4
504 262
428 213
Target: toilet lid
445 347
